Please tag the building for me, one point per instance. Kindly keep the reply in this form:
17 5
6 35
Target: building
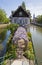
34 19
20 16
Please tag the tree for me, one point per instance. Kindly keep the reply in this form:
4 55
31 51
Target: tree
39 19
3 17
23 5
28 11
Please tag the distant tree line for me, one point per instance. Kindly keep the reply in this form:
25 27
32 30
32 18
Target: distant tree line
39 19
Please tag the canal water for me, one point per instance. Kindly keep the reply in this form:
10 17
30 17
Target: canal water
4 43
37 42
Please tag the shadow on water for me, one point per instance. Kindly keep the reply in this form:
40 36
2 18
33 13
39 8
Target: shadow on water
4 43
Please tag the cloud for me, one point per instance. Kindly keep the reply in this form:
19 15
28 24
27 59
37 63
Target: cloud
37 10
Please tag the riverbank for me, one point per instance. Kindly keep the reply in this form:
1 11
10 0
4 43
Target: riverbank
37 24
3 25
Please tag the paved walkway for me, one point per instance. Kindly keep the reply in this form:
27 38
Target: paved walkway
3 25
20 62
23 61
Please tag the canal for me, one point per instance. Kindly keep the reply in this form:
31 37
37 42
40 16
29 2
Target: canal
37 41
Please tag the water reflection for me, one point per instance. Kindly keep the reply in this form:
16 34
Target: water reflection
37 41
4 43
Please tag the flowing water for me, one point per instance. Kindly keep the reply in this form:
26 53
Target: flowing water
37 41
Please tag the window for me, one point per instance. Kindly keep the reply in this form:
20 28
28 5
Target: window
26 21
15 20
20 13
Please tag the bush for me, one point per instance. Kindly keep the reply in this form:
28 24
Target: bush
39 19
29 38
32 57
7 56
30 45
12 27
3 35
29 34
11 50
29 55
14 56
4 63
11 54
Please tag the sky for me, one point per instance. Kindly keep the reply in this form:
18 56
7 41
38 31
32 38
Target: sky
35 6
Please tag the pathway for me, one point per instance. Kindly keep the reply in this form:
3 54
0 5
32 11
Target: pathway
20 62
3 25
23 61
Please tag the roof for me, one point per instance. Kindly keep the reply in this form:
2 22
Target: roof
19 9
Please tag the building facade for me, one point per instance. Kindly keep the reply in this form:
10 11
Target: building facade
20 16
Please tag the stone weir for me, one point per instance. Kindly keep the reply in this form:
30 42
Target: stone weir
20 39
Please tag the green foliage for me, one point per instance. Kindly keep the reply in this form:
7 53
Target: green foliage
29 38
39 19
7 56
6 20
29 45
2 35
4 63
23 5
32 57
3 17
9 43
13 27
10 55
29 34
14 56
11 52
11 49
28 11
29 53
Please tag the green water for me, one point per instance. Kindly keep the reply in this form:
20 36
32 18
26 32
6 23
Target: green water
37 41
